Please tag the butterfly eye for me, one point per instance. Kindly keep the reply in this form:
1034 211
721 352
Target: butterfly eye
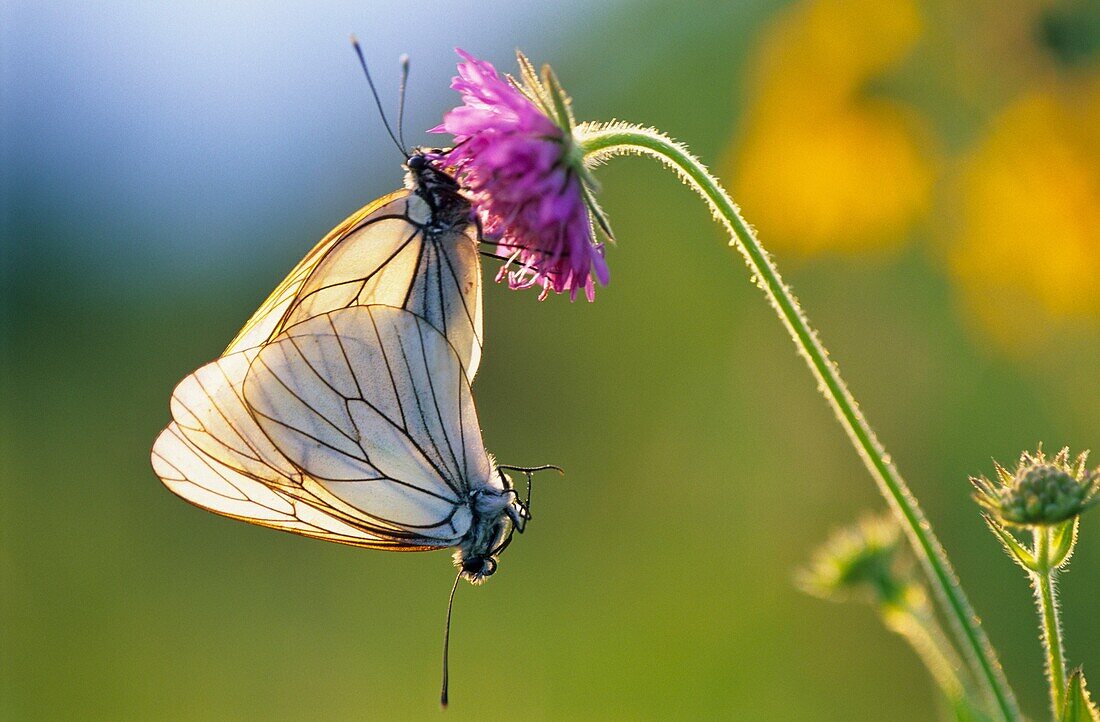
479 566
417 162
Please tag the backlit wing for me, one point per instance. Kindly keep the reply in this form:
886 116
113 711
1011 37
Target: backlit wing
208 408
371 404
388 253
264 323
196 477
215 446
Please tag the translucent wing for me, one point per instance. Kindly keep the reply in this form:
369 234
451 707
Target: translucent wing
208 408
196 477
372 405
391 253
263 324
213 424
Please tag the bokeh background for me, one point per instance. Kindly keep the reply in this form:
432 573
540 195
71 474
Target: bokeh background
926 173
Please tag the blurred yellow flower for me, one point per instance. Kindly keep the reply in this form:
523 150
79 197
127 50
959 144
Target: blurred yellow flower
1027 247
822 166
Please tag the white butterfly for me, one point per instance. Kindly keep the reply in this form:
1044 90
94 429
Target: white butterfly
356 426
369 418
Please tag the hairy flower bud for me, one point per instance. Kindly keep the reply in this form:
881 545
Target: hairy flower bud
1040 492
860 560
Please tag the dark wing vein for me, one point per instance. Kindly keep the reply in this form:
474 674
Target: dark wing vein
420 408
459 470
462 296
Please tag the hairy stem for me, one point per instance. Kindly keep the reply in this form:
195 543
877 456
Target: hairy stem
928 641
1046 599
602 142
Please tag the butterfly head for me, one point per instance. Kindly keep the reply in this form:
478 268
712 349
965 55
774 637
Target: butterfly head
495 512
417 162
426 169
428 179
477 568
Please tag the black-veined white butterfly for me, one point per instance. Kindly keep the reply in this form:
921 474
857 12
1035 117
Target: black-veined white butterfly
342 409
356 426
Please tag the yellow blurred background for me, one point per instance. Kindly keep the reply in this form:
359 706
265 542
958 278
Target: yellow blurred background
926 173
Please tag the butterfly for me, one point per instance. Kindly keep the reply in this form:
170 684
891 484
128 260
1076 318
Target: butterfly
355 426
342 410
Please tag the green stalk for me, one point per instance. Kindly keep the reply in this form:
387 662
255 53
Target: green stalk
1044 581
602 142
927 640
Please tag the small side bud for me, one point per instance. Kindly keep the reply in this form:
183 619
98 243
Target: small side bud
858 561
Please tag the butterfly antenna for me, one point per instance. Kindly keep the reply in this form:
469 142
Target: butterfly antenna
526 469
401 100
527 501
529 471
374 92
447 642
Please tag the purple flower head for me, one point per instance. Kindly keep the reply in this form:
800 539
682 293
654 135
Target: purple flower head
514 155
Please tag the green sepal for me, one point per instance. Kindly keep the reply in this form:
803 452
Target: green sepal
1063 540
1078 707
559 99
597 212
1012 545
532 86
1004 474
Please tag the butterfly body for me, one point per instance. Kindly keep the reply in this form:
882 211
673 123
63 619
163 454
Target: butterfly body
496 514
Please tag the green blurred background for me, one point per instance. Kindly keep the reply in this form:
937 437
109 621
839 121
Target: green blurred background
926 173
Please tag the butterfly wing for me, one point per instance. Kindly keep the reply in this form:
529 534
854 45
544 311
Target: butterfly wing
196 477
264 323
215 455
391 253
372 405
208 409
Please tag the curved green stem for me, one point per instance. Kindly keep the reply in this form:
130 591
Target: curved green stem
1046 599
601 142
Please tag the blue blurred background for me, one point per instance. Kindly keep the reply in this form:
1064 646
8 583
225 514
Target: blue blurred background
926 173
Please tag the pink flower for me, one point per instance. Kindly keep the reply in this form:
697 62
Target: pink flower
515 157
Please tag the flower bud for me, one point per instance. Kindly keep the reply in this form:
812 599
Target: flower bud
861 561
1040 492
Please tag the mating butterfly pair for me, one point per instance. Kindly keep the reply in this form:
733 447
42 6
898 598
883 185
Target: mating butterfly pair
343 410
